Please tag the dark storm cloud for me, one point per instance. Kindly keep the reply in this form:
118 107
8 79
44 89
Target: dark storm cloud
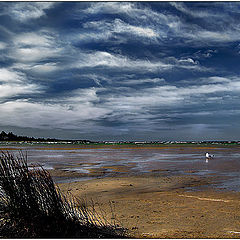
120 70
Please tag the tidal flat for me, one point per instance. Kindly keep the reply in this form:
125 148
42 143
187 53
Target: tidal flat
154 191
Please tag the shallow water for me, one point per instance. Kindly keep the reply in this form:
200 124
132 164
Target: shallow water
139 160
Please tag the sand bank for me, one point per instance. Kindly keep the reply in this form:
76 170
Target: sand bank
162 206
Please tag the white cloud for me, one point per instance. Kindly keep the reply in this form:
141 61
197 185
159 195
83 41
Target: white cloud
43 39
118 61
29 10
35 46
204 54
134 11
15 83
142 21
118 26
148 97
196 14
225 30
68 112
138 101
2 45
15 89
109 7
7 75
216 79
187 60
211 36
187 63
111 60
44 68
142 81
165 26
34 54
86 96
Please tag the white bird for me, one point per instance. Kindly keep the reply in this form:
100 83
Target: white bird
209 155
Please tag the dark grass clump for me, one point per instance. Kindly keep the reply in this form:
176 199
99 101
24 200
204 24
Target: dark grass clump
31 206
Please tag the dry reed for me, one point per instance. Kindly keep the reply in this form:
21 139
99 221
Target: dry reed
32 206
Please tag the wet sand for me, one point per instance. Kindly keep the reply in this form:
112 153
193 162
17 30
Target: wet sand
160 205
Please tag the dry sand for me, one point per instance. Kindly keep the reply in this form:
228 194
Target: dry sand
161 205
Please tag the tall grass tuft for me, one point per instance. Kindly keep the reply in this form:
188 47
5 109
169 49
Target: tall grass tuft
31 206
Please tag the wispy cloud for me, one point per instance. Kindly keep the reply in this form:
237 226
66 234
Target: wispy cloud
8 76
107 59
135 11
36 46
165 26
2 45
132 101
110 60
108 29
34 39
15 89
206 13
135 82
68 112
31 10
145 21
13 84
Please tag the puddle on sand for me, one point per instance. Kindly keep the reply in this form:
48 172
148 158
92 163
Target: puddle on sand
59 180
78 170
231 183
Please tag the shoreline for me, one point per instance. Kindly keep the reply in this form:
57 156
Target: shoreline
71 146
163 205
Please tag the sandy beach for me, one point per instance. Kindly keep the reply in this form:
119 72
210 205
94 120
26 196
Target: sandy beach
153 191
159 205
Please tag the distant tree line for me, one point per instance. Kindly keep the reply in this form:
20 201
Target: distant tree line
12 137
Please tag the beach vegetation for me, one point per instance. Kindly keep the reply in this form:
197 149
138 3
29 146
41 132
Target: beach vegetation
32 206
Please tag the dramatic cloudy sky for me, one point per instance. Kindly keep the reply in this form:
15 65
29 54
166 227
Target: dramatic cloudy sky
120 70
